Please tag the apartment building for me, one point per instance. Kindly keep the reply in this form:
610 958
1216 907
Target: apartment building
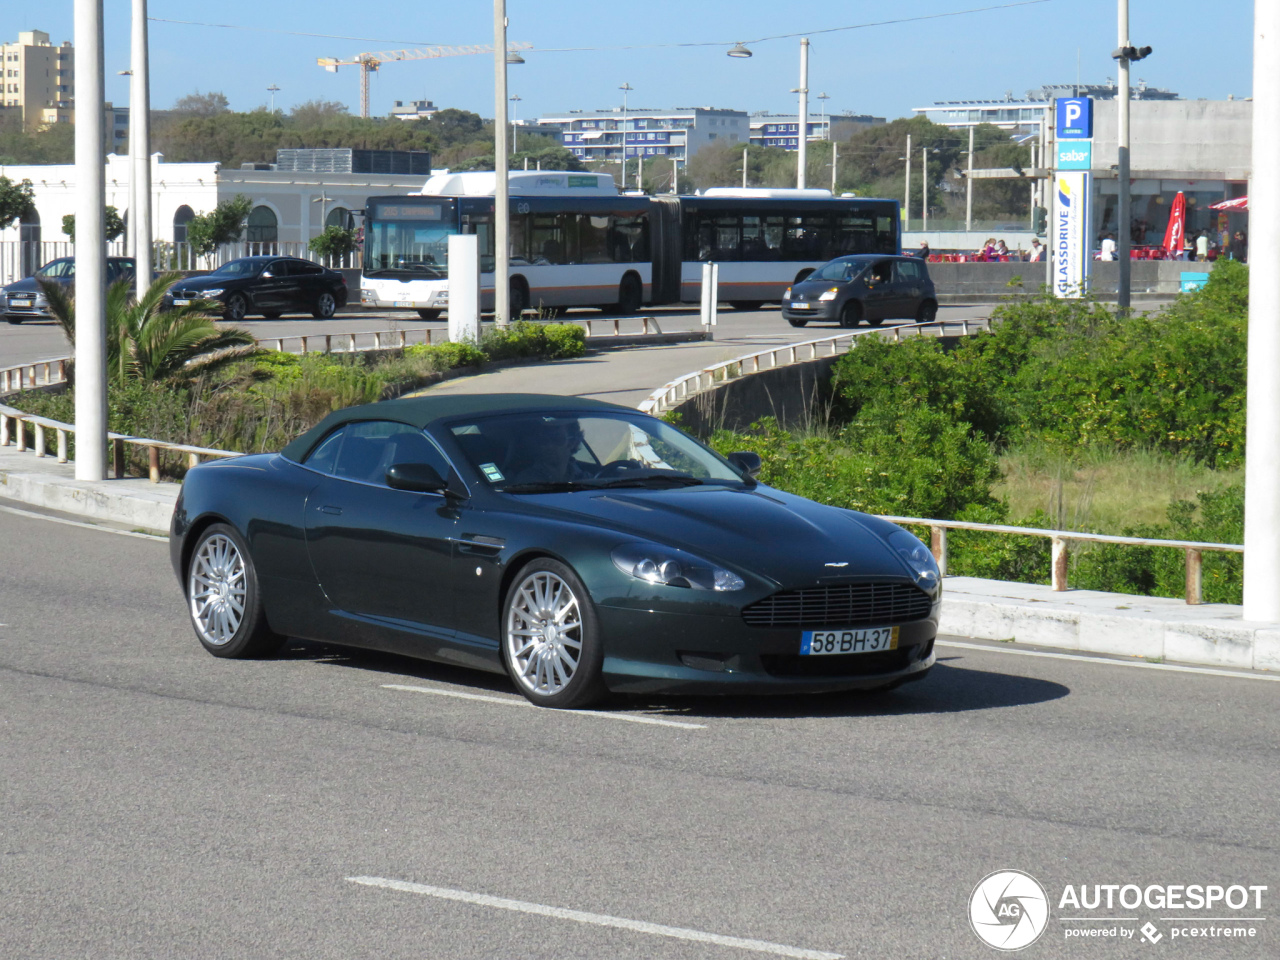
783 130
678 134
38 82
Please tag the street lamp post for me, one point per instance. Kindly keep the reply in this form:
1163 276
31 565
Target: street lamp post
140 148
501 186
803 143
514 98
906 193
822 115
625 88
273 90
1123 56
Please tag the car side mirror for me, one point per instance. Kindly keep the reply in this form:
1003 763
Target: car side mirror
267 274
416 477
746 461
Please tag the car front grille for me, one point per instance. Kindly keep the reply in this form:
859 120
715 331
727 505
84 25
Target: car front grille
839 665
191 295
841 605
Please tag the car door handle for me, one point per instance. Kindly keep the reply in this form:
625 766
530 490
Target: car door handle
335 511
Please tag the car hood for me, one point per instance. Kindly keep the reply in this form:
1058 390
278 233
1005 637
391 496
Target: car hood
811 289
773 534
30 285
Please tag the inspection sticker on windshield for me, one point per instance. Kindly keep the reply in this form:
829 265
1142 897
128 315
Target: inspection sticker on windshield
867 640
491 471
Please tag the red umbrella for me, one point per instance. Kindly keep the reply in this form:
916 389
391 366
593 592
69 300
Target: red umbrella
1173 234
1239 203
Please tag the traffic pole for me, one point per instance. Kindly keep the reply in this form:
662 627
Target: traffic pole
501 185
1262 432
140 148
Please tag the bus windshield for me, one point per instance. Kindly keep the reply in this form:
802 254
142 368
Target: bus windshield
409 239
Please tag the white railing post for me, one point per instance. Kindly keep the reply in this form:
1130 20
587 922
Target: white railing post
1060 557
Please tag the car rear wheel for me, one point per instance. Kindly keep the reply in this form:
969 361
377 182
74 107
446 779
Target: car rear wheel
236 308
851 314
429 314
746 304
797 321
551 638
326 306
927 312
271 314
223 599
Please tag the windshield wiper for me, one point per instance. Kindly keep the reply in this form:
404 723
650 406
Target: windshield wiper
644 480
548 486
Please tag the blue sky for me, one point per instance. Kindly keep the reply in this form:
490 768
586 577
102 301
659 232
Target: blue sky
1200 51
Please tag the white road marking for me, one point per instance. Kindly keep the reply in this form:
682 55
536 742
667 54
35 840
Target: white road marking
76 523
1175 668
596 919
512 702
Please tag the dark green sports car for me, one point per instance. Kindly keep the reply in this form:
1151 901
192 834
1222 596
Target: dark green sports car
580 546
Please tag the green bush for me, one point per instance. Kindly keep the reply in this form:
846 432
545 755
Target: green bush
524 338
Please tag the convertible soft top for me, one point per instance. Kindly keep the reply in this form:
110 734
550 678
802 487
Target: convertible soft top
421 411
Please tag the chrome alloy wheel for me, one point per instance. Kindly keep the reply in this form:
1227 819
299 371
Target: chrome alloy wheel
217 590
544 633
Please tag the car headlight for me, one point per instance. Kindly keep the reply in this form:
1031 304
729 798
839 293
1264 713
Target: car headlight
212 292
673 568
829 294
786 294
917 557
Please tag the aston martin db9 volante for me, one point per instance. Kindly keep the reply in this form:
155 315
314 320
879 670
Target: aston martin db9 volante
579 546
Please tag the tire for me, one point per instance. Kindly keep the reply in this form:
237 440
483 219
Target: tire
12 319
326 306
876 322
220 576
797 321
519 299
236 309
746 304
429 314
271 314
927 312
851 314
630 296
553 666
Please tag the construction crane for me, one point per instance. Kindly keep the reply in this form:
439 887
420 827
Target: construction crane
369 62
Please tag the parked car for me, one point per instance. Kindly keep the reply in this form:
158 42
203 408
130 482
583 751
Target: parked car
579 546
869 287
269 286
24 300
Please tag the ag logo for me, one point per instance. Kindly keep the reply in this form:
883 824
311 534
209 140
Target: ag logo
1008 910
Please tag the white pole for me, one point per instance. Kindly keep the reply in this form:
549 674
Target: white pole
968 188
675 175
90 247
625 88
464 287
906 194
501 186
744 168
1122 164
1262 436
640 172
835 163
704 303
140 146
924 188
803 141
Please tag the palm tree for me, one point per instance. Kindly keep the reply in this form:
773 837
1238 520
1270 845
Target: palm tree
146 343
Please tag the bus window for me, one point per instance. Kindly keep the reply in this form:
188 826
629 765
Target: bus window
553 238
629 239
520 238
808 237
593 238
727 238
773 232
855 234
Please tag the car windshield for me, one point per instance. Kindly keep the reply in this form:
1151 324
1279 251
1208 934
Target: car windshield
239 268
839 270
550 452
59 268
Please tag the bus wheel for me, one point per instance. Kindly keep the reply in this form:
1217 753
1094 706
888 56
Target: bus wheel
630 294
746 304
519 299
429 314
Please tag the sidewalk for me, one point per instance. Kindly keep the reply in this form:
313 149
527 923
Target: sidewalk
1152 628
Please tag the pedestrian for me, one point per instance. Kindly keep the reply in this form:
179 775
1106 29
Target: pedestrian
1037 251
1202 247
1240 247
924 249
988 251
1107 248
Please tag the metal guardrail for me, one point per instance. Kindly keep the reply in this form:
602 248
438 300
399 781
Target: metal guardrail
1059 540
677 391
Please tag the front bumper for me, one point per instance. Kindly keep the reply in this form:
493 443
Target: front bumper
814 310
37 310
649 651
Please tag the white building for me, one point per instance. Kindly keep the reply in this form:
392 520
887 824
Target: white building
597 135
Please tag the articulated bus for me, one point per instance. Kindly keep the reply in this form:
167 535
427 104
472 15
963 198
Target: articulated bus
575 241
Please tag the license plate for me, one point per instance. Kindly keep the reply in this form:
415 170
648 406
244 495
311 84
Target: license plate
815 643
799 306
181 303
404 303
20 303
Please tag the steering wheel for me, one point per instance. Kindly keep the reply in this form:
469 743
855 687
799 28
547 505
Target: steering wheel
616 467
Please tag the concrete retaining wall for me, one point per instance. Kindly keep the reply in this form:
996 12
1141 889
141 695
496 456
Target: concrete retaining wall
1002 279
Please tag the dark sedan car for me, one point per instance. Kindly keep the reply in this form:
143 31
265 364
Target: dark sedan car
269 286
580 546
861 287
24 300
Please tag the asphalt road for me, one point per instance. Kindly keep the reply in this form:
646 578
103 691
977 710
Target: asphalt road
30 341
158 802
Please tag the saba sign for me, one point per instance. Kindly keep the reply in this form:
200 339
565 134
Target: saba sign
1069 234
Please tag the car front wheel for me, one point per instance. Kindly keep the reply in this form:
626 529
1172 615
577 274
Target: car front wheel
326 306
236 308
851 314
551 638
797 321
223 599
12 319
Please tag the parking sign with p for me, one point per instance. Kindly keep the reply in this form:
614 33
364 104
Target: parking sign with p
1075 118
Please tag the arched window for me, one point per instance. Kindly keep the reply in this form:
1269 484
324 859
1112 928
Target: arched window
262 226
181 217
338 217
